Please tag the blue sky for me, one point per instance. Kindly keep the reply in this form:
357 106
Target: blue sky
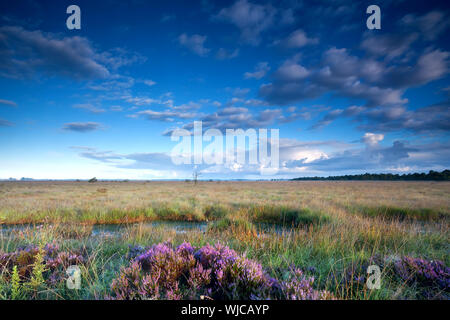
102 101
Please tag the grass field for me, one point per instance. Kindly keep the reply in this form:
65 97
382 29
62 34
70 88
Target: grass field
330 230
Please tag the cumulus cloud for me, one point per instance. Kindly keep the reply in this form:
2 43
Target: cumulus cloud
430 25
250 18
254 103
364 159
433 118
89 107
114 84
82 126
142 101
23 53
343 74
291 71
167 115
195 43
173 112
328 118
238 92
149 83
223 54
294 153
297 158
297 39
234 117
118 57
292 114
372 139
430 66
341 158
388 45
260 71
190 106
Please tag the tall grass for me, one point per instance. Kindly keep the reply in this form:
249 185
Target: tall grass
329 228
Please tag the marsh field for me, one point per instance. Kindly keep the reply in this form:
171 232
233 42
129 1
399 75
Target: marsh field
225 240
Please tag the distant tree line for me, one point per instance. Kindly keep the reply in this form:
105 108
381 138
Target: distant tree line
431 175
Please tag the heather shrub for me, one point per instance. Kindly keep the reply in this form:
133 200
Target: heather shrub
358 268
134 251
351 280
299 287
37 266
432 278
165 272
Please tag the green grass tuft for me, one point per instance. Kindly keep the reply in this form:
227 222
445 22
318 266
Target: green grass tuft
233 225
423 214
286 216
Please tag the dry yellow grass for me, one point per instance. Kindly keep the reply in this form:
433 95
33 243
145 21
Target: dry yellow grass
28 198
364 219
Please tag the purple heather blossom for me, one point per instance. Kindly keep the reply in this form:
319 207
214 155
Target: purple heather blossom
164 272
433 277
54 260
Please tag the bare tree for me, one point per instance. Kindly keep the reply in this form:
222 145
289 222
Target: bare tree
195 175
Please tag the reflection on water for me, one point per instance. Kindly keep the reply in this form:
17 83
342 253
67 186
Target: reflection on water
106 230
116 230
179 227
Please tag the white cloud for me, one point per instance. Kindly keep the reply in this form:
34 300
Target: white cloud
297 39
89 107
194 43
8 103
250 18
372 139
71 57
260 71
149 82
82 126
223 54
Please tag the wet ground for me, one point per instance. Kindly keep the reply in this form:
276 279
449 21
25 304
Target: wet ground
111 230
